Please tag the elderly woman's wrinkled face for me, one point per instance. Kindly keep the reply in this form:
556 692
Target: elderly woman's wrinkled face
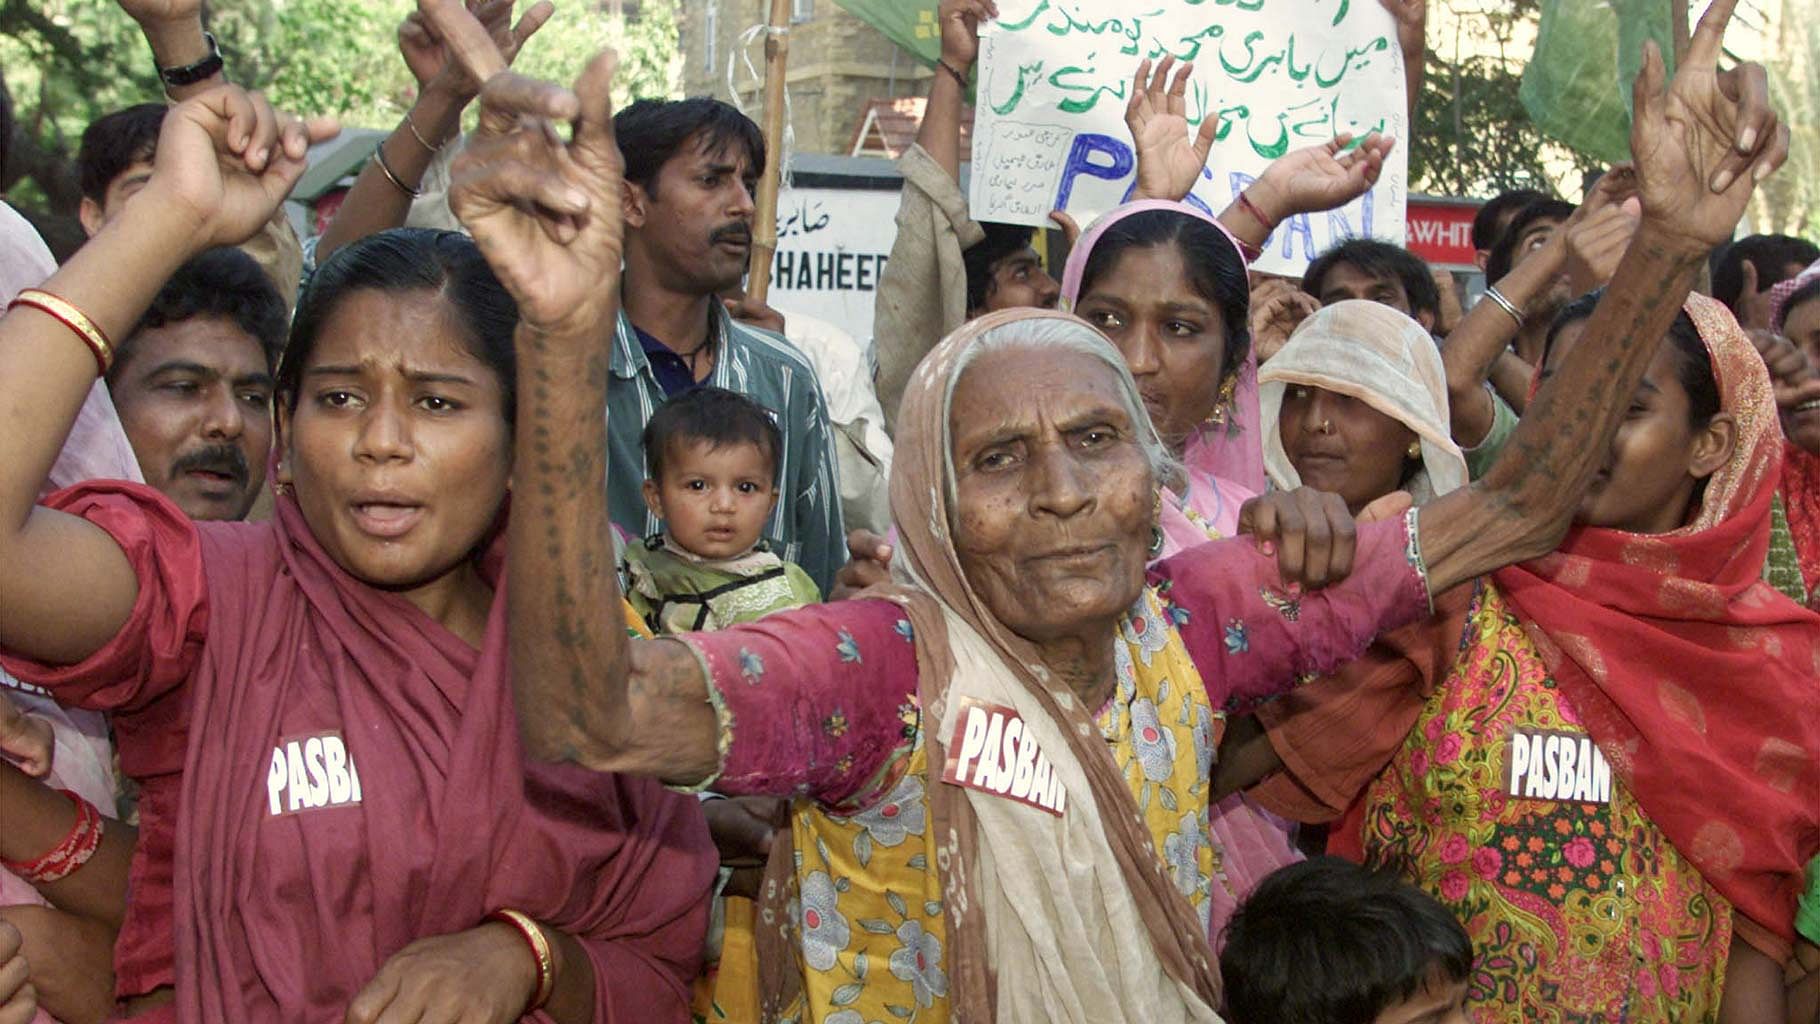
1054 497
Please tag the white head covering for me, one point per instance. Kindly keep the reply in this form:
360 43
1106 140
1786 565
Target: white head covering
1381 357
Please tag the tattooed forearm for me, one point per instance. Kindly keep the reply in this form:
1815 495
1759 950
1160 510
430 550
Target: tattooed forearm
1523 507
583 693
559 613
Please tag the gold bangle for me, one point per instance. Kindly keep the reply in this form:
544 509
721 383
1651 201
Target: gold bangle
75 319
540 951
386 169
421 141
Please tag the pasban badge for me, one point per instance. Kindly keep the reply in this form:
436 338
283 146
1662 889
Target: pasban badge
993 752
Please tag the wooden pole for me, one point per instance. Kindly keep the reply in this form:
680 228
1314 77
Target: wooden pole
1677 19
764 216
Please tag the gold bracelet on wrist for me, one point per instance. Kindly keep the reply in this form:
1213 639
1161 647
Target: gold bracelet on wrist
411 126
76 320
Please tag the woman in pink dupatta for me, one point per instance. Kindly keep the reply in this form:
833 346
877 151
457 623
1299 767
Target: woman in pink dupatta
1166 282
1794 304
329 691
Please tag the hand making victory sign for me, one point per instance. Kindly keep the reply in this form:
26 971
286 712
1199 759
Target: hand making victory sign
1702 144
427 55
547 213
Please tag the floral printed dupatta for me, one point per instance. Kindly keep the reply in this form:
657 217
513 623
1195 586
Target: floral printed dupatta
1695 677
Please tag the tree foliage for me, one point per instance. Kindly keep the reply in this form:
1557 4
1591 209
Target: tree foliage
67 62
1789 202
1472 135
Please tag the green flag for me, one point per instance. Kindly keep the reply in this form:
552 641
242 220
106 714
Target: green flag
910 24
1577 85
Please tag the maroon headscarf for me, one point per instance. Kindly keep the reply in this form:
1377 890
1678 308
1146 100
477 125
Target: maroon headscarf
279 921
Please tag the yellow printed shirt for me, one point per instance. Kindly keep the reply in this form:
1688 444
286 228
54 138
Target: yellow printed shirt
869 905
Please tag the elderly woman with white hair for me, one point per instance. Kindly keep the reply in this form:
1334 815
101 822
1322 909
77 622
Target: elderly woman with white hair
1002 765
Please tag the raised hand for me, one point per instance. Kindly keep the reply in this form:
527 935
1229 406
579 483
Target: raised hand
1278 307
428 58
154 11
868 565
1702 142
1169 156
546 213
1795 385
1320 177
960 22
1594 239
226 160
26 740
1756 307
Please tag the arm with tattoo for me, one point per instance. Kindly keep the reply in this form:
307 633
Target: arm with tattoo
1700 148
546 213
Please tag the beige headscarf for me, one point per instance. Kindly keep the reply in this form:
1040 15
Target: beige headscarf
1070 918
1381 357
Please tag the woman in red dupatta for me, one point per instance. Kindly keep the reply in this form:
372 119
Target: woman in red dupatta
321 704
1612 784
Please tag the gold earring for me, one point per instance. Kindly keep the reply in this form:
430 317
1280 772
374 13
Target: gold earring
1223 401
1415 449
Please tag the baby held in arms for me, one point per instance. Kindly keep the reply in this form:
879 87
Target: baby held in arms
712 456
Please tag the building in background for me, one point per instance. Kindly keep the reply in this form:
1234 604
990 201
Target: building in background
838 66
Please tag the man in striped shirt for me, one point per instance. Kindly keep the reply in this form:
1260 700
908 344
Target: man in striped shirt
691 170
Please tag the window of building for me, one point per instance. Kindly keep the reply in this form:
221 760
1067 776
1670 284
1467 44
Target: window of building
802 10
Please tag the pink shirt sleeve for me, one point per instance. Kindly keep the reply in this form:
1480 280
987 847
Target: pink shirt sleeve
1252 638
160 641
818 701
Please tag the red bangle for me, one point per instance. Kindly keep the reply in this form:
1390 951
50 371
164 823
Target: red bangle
1250 207
540 952
77 847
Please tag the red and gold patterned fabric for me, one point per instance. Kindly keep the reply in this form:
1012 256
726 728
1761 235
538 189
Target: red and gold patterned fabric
1696 678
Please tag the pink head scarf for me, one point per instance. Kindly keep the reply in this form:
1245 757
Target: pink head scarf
1780 292
1225 461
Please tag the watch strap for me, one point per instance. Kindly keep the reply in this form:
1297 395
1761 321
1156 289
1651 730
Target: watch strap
202 70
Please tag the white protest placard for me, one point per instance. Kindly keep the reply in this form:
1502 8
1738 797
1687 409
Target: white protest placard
832 245
1055 75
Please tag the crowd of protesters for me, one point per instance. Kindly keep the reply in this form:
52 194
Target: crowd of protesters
488 610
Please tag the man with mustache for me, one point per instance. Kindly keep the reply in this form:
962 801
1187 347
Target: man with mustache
692 168
193 384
